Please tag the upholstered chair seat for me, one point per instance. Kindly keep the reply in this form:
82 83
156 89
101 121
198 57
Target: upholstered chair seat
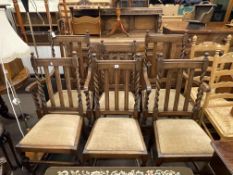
182 137
222 120
131 101
53 132
216 102
115 136
74 97
162 98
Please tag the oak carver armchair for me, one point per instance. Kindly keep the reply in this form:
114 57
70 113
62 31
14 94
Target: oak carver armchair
119 102
59 128
178 136
218 104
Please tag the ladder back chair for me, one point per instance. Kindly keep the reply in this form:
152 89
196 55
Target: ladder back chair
212 48
110 136
217 104
168 44
178 136
59 128
208 46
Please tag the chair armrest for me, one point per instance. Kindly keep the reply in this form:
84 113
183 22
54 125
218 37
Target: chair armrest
31 87
146 79
88 79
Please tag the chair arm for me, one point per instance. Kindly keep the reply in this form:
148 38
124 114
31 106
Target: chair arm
31 87
87 81
34 84
146 79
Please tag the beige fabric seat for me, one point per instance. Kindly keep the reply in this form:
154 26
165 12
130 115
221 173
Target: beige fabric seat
54 131
115 136
162 99
182 137
215 102
74 97
221 119
121 101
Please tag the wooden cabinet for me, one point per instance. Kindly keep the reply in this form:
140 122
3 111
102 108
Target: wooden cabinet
86 20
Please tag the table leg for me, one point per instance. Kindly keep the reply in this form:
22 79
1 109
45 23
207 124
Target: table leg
4 112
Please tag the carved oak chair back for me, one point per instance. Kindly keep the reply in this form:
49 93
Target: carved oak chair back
57 82
118 97
70 43
168 44
170 99
116 51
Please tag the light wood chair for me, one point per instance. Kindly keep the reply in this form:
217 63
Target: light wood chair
212 48
59 129
110 136
178 136
168 44
217 104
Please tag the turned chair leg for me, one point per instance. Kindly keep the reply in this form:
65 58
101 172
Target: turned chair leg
158 162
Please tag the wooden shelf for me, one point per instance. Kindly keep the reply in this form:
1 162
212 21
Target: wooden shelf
40 29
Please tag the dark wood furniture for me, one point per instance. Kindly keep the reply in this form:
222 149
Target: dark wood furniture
132 18
221 162
212 32
18 75
178 139
171 45
61 118
70 43
116 95
116 51
210 29
120 170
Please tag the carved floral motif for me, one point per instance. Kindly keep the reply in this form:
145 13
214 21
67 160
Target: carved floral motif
118 172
